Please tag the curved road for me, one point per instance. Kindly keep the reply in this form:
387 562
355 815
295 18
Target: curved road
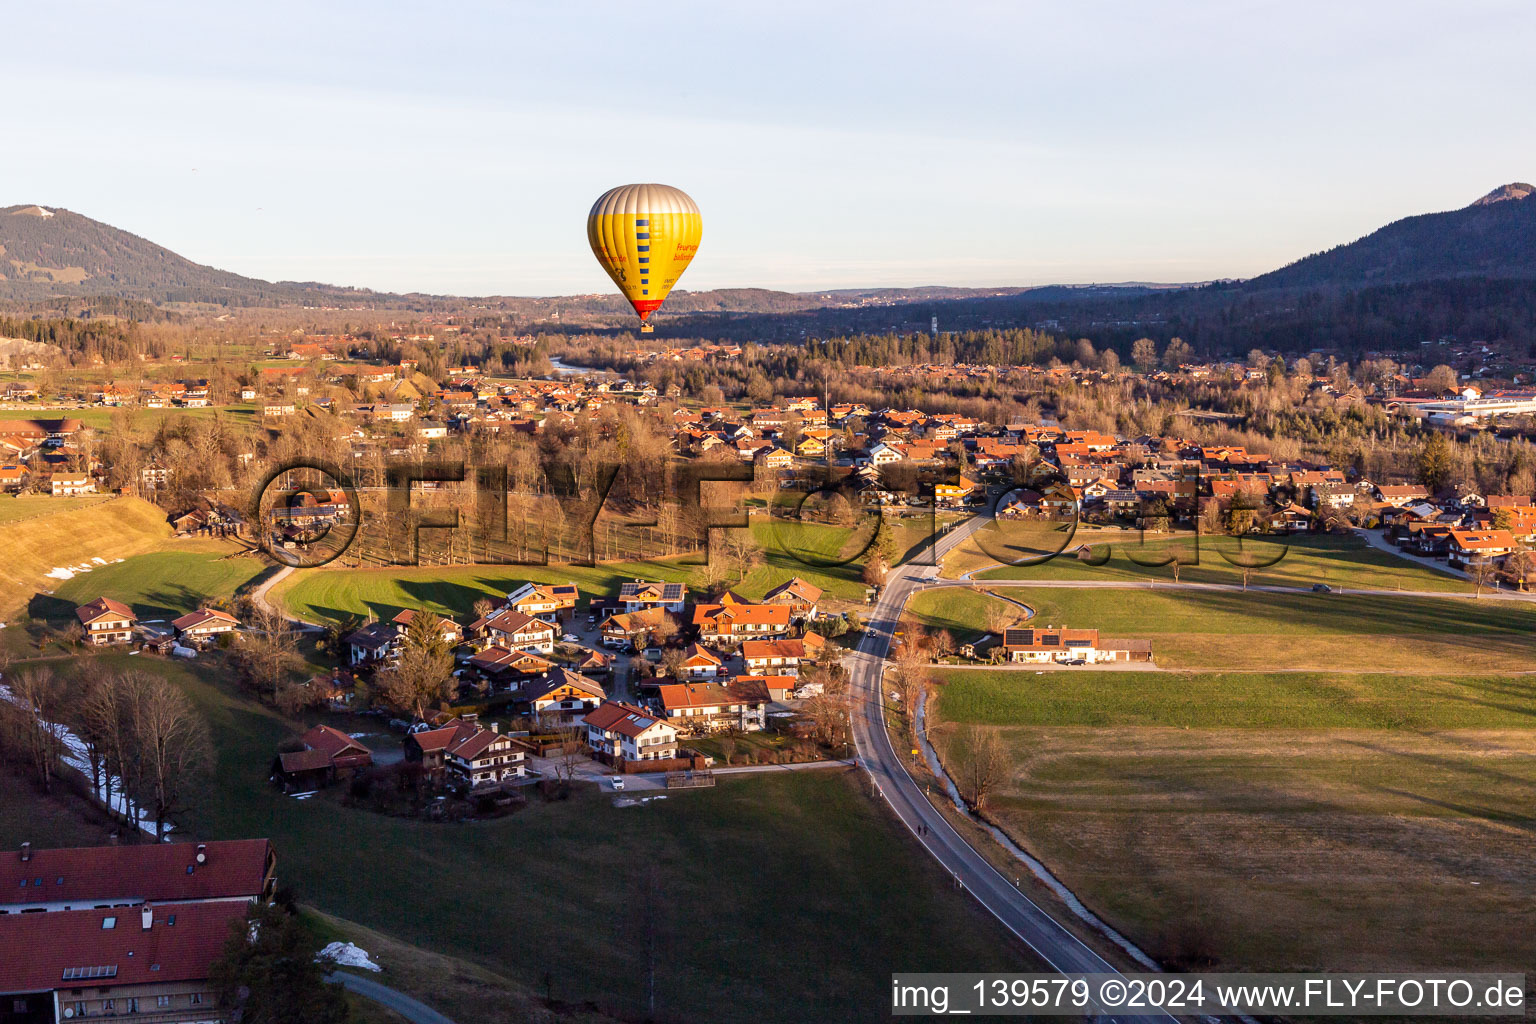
1054 944
413 1010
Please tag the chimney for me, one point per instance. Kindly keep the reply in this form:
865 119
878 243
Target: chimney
26 852
147 916
496 727
202 853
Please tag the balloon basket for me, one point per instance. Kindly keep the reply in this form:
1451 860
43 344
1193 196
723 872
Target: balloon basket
647 329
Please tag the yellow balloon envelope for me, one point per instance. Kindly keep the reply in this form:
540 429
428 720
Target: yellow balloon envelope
645 237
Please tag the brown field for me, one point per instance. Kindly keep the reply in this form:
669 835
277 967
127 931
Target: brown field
1263 652
1248 849
30 547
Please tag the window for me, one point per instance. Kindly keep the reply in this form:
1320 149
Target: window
108 923
133 1004
196 999
162 1002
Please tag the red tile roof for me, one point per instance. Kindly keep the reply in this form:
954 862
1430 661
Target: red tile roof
41 952
158 872
103 606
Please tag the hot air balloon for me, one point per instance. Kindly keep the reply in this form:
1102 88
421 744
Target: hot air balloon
645 237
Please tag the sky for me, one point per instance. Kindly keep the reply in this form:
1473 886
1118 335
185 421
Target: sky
456 148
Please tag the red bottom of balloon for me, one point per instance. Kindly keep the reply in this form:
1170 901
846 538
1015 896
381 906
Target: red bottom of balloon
645 307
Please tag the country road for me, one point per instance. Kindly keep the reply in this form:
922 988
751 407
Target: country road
413 1010
259 599
1053 943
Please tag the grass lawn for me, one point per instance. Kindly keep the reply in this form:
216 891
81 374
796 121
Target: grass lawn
961 610
158 585
100 417
1280 822
321 595
1263 631
26 506
1232 700
1297 562
76 533
799 873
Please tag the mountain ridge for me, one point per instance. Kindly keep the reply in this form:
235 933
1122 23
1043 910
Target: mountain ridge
48 254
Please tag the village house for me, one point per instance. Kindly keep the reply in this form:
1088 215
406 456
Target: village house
632 628
735 622
543 601
106 621
771 687
71 484
371 643
204 624
239 871
1469 548
640 594
497 663
450 632
619 732
325 755
781 657
800 597
516 631
560 697
464 754
707 707
700 663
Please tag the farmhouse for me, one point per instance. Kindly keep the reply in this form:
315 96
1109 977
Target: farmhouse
81 963
326 755
1051 644
204 623
106 621
237 871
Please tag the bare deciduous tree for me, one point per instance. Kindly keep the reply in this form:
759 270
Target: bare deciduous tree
173 747
31 723
983 764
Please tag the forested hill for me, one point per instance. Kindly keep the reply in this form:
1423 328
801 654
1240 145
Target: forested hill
1494 237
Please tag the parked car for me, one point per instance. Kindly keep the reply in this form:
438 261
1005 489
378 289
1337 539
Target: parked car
618 782
1076 661
1321 588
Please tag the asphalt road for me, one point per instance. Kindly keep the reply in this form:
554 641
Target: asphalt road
413 1010
1054 944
